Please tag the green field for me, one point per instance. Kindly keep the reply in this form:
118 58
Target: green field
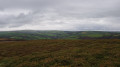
36 35
60 53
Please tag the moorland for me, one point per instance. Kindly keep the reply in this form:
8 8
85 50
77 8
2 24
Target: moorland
60 53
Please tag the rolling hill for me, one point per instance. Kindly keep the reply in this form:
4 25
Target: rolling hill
36 35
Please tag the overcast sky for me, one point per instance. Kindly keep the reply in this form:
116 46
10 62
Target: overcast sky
74 15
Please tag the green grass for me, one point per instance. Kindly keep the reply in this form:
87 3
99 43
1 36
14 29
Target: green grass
60 53
36 35
92 35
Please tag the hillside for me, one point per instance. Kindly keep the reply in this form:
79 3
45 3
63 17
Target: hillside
60 53
36 35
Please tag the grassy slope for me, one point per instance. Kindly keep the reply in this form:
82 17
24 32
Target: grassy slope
35 35
60 53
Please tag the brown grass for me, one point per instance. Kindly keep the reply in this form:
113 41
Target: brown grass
60 53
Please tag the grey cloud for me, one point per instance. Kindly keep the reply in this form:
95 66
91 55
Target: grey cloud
60 14
13 21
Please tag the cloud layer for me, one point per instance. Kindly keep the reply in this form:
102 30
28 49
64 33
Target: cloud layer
74 15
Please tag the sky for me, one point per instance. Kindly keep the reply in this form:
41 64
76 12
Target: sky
69 15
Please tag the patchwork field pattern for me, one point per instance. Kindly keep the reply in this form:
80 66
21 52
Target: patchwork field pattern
36 35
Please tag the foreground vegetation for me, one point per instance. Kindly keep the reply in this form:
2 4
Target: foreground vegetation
60 53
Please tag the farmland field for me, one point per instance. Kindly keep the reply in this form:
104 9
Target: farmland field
37 34
60 53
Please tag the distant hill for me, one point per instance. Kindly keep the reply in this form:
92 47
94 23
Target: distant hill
36 35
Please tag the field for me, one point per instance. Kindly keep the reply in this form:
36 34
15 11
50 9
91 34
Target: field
36 35
60 53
